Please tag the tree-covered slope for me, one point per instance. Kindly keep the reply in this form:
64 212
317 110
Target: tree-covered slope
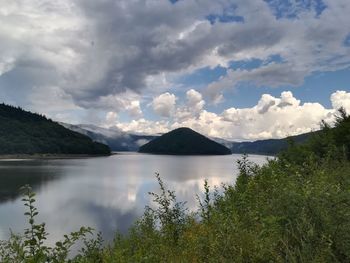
184 141
268 147
23 132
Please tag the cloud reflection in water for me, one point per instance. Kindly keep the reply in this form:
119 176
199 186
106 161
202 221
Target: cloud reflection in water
106 193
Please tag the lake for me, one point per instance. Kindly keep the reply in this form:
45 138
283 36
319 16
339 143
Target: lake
106 193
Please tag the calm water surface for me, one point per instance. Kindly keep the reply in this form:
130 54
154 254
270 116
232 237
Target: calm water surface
106 193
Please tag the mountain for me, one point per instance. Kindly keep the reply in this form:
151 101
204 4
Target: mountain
184 141
265 147
268 147
116 139
23 132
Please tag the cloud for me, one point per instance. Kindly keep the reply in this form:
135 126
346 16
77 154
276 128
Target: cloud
53 98
6 65
276 117
192 108
143 126
134 109
97 49
111 118
164 104
195 100
78 60
341 99
271 117
270 75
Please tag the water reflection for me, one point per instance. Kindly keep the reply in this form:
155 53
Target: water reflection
14 174
105 193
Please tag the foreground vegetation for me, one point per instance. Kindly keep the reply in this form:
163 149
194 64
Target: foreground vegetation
295 208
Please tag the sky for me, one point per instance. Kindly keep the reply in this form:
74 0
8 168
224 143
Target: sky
234 69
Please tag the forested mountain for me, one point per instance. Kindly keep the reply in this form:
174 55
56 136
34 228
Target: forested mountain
184 141
23 132
267 147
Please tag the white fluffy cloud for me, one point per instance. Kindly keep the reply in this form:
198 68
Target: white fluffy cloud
143 126
164 104
271 117
341 99
276 117
192 108
111 118
195 100
134 109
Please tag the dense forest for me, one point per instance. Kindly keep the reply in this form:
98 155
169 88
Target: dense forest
23 132
295 208
269 146
184 141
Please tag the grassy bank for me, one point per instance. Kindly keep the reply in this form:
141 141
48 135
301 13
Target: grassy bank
295 208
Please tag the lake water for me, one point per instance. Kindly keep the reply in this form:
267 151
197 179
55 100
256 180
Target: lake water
106 193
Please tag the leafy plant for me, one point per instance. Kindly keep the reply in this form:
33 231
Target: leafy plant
31 247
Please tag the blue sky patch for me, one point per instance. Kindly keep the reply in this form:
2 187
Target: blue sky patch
227 16
292 8
224 18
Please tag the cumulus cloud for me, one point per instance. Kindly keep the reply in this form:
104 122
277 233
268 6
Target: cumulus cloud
271 117
194 100
134 109
192 107
111 118
143 126
341 99
164 104
276 117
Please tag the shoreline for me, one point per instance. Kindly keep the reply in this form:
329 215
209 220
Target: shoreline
49 156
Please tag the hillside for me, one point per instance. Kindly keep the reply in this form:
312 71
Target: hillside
267 147
116 139
184 141
23 132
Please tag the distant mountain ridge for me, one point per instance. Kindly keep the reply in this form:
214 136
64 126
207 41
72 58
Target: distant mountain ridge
264 147
184 141
24 132
123 141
